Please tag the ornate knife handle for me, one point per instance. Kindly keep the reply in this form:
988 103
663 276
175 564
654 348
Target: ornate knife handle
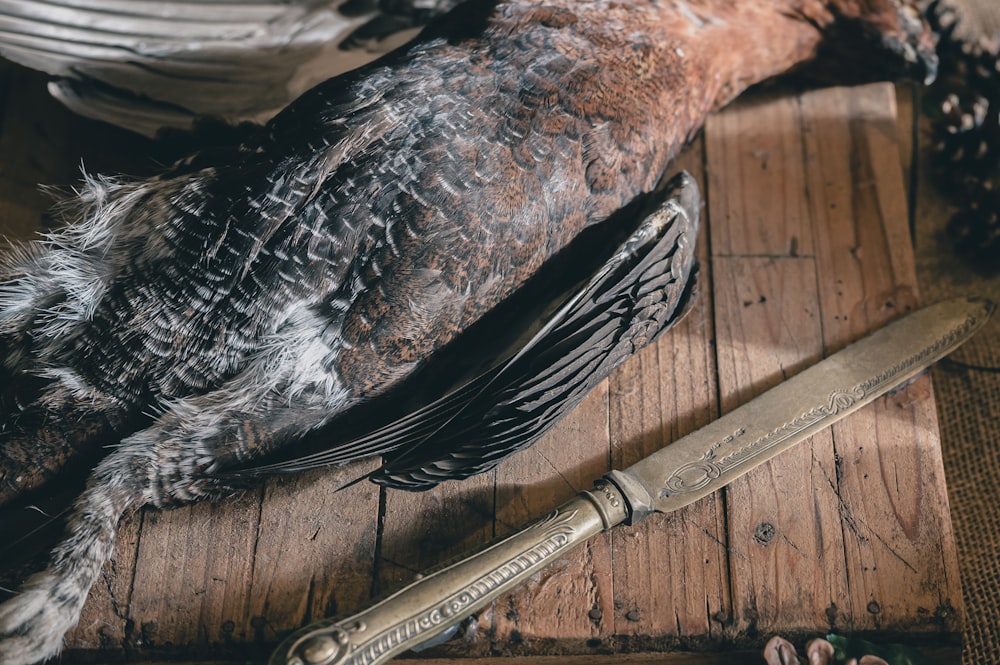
441 599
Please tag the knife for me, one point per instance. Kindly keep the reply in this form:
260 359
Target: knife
679 474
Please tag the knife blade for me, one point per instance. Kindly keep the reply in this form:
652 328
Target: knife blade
679 474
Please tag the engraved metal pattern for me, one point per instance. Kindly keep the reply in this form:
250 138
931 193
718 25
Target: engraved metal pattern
696 475
441 599
609 502
609 493
557 528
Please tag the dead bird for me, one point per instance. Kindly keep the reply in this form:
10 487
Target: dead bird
213 317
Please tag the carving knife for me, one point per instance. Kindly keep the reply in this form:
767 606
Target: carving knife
679 474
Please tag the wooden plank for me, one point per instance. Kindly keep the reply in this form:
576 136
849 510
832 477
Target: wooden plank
193 572
786 562
257 566
728 657
671 571
859 207
901 560
420 531
315 550
105 620
755 179
786 565
567 602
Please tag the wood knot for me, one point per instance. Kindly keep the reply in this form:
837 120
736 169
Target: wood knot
764 533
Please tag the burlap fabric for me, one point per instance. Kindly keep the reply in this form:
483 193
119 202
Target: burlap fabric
967 387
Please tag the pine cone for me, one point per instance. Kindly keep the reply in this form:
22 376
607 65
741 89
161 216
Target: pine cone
975 231
966 149
965 155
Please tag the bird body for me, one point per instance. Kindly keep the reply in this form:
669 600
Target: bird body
219 313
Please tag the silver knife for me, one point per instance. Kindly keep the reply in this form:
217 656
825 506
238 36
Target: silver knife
671 478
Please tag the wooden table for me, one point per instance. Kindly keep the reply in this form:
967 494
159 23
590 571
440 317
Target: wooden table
805 247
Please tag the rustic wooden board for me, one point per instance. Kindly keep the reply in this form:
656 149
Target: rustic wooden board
900 548
671 571
804 247
782 518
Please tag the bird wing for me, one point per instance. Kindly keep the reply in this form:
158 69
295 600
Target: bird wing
148 64
640 292
635 295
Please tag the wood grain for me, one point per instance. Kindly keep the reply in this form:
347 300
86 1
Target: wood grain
901 561
755 179
420 531
314 552
671 572
571 598
185 594
786 567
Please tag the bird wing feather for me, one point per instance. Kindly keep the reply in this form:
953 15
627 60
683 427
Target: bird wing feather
640 292
636 294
